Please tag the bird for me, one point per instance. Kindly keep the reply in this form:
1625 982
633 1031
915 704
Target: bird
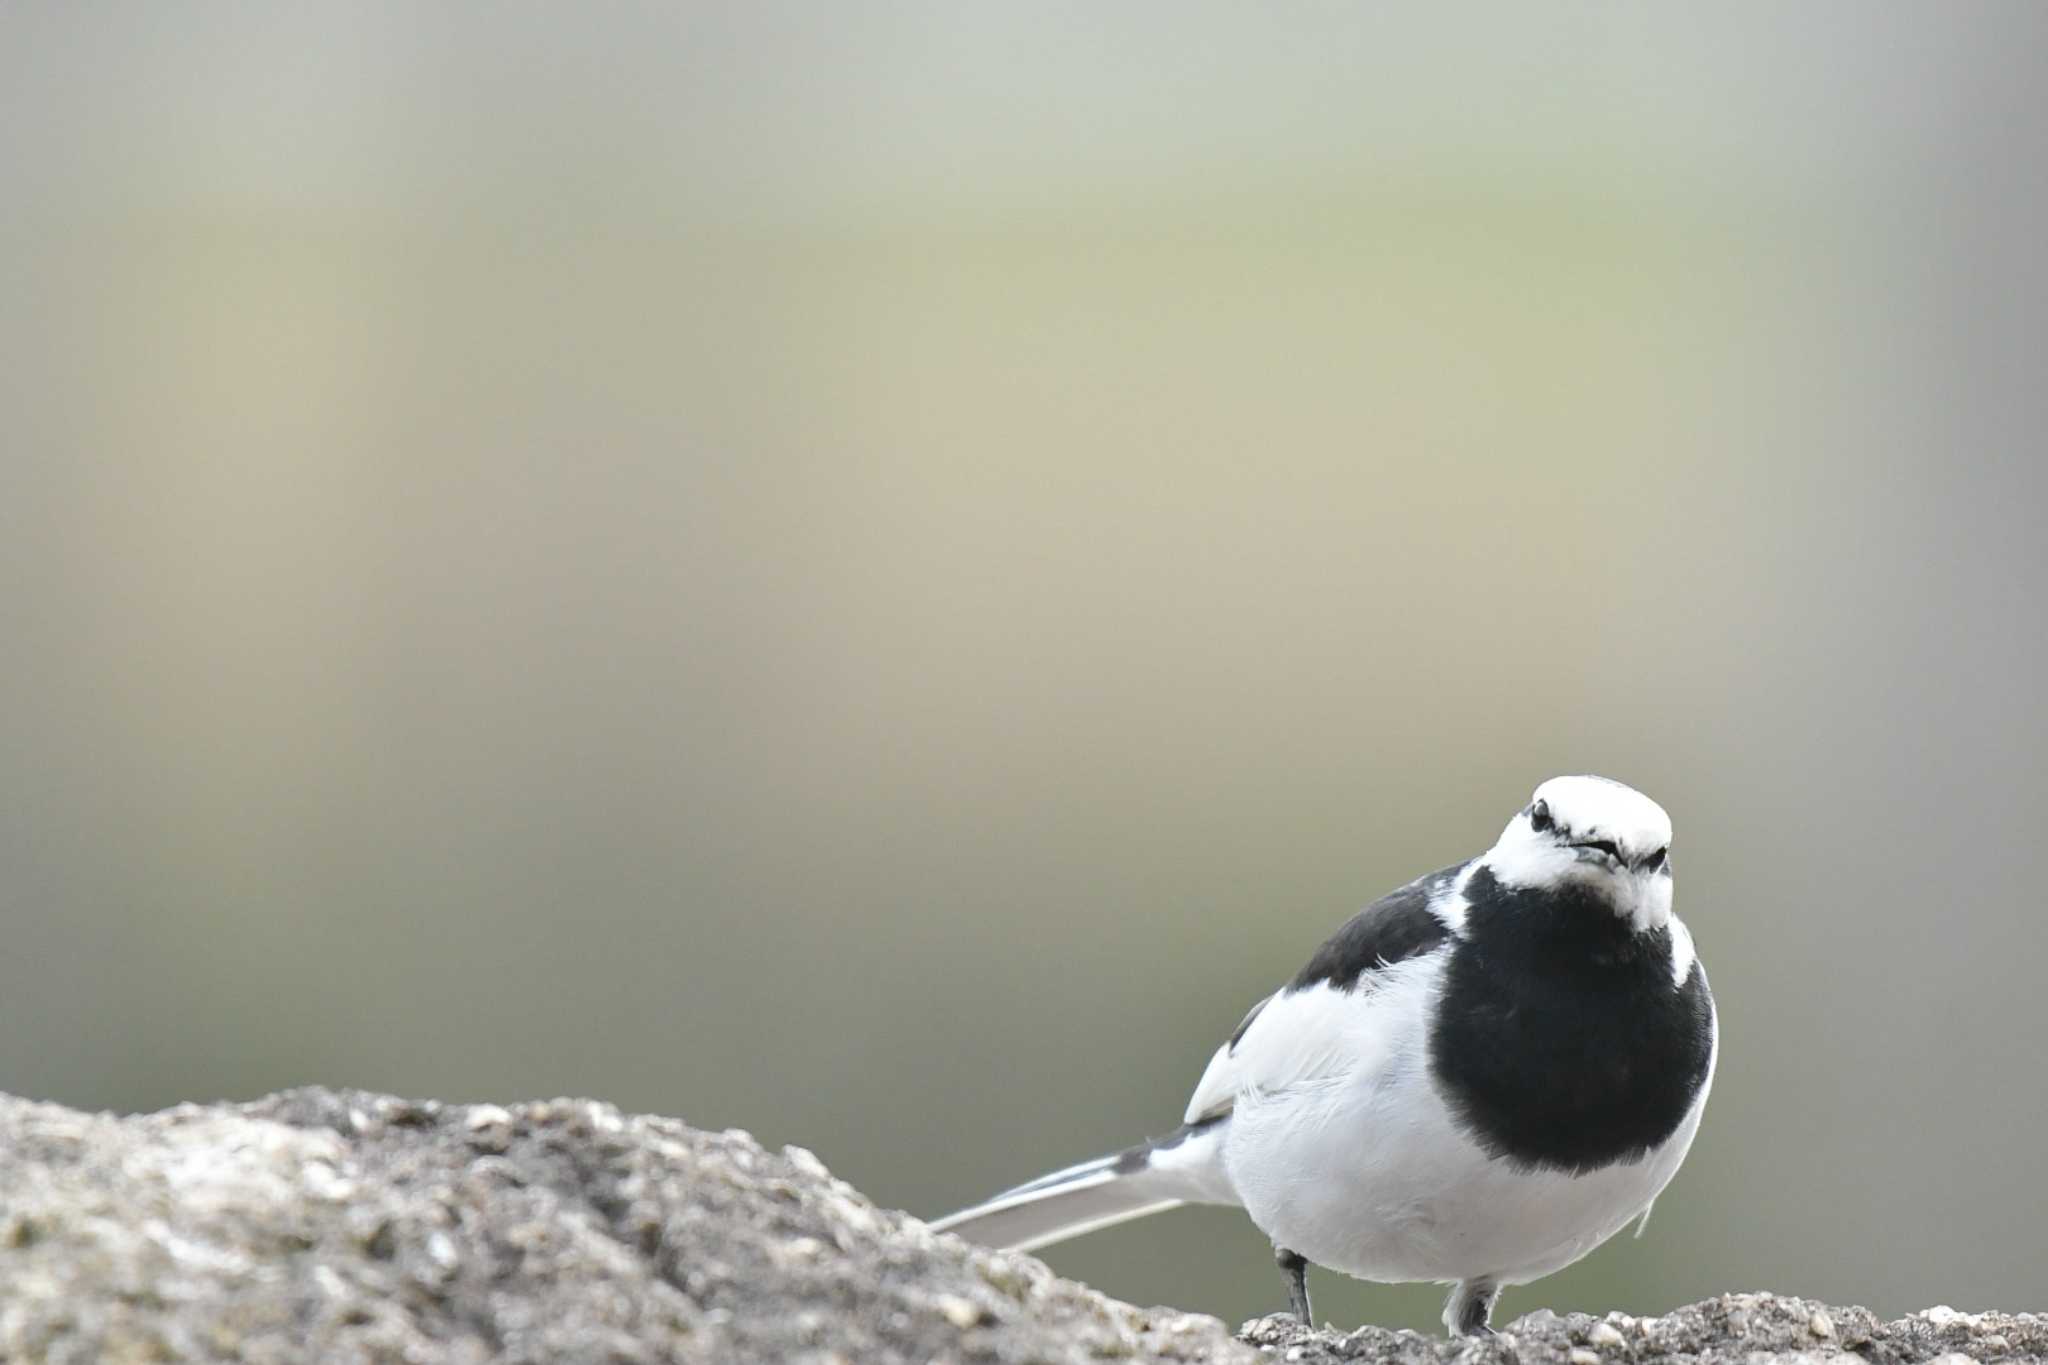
1477 1080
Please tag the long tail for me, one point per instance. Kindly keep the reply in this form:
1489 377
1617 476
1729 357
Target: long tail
1184 1167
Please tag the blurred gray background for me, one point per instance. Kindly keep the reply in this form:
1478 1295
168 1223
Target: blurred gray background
877 574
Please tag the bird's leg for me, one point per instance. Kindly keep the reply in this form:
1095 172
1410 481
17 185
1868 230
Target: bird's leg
1469 1312
1295 1267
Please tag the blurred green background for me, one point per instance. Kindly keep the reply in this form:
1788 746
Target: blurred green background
878 573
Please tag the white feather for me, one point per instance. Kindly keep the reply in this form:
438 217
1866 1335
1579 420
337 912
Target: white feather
1601 808
1300 1039
1582 809
1683 955
1097 1194
1450 907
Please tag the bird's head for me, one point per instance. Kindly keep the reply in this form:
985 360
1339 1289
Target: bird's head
1594 833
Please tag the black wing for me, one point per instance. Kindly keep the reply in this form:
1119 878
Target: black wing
1398 925
1293 1034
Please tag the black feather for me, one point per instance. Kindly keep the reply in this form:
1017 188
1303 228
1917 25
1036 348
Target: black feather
1393 928
1561 1040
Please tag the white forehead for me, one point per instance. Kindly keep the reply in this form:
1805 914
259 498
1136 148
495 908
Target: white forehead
1601 808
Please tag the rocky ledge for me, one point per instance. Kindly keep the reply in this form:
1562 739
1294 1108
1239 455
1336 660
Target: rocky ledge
341 1226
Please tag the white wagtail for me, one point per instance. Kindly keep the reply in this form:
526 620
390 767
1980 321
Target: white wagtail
1477 1080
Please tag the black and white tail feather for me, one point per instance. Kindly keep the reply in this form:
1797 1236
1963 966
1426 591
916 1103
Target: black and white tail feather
1478 1079
1149 1178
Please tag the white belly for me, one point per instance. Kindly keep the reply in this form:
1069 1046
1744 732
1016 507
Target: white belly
1365 1171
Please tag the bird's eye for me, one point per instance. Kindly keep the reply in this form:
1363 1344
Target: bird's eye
1539 817
1655 860
1607 846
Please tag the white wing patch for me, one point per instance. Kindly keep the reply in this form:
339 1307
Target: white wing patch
1302 1038
1450 905
1682 952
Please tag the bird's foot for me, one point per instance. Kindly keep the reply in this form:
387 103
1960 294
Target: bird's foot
1295 1267
1469 1312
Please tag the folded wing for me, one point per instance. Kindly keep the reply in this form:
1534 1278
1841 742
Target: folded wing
1306 1030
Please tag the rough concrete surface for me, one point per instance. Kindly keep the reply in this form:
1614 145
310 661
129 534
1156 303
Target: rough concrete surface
335 1226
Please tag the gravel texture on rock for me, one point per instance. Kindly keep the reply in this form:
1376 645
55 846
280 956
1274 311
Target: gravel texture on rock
335 1226
1754 1328
323 1225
